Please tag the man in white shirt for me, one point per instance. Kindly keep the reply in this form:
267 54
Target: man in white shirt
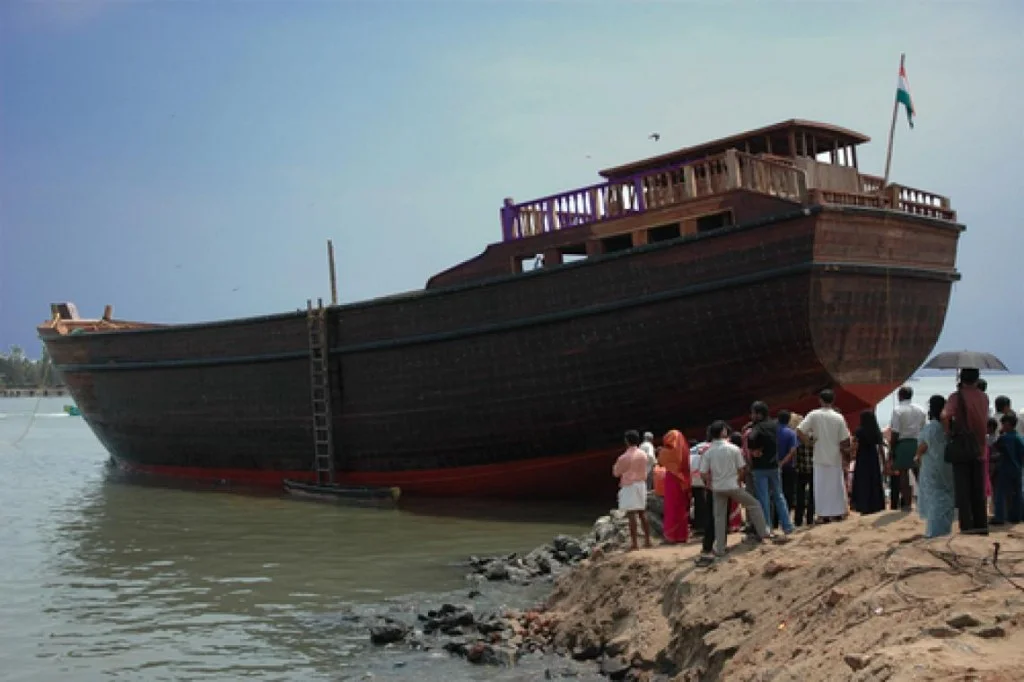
831 439
652 459
700 504
721 467
907 421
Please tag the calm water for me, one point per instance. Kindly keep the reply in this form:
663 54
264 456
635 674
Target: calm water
104 579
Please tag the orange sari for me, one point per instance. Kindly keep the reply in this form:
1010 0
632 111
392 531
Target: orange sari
674 456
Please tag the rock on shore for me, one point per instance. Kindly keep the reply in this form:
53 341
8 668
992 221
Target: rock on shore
609 534
493 638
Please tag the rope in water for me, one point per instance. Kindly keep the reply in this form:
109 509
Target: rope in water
28 427
35 410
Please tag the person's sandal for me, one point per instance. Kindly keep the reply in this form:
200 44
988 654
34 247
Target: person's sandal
704 560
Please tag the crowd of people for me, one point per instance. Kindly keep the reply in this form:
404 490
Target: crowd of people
959 459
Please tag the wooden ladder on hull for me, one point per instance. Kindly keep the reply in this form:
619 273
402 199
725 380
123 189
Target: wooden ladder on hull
320 393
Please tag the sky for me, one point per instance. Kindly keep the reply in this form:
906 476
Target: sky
187 161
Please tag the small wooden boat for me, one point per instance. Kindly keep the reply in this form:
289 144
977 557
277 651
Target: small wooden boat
344 494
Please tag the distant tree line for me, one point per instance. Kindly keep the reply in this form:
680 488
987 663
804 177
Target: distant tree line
19 371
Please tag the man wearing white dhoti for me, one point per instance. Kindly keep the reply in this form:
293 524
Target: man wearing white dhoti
831 439
631 468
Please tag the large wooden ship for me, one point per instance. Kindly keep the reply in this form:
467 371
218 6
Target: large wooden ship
679 289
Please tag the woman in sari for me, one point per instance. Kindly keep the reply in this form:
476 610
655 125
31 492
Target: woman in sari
935 500
674 456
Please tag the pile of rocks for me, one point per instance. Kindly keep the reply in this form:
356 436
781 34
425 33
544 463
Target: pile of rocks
503 639
609 534
495 639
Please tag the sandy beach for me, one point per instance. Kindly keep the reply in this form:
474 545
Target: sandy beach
865 599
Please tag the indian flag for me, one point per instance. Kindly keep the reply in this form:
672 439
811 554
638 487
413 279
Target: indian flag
903 95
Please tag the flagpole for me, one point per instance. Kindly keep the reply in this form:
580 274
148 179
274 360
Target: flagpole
892 128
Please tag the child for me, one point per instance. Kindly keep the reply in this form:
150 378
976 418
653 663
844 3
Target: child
988 463
631 468
1010 446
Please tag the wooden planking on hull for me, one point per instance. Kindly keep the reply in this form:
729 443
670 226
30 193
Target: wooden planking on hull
672 364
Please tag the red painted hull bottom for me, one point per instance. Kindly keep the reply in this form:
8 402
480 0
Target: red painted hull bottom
586 476
576 477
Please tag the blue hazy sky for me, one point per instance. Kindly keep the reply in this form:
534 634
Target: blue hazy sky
186 161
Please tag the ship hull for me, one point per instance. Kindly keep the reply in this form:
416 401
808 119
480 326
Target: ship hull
520 387
583 476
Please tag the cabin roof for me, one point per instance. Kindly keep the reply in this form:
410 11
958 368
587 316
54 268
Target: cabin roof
843 136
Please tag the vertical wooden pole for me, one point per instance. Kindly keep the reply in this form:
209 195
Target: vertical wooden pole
334 277
892 128
732 169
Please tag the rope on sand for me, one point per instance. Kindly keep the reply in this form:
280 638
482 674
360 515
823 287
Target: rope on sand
982 570
995 565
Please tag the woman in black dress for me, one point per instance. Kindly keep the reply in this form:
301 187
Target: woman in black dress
868 496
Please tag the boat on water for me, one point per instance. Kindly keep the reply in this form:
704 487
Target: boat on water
361 495
677 290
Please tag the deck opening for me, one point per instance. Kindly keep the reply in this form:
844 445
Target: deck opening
573 253
619 242
663 233
714 221
529 263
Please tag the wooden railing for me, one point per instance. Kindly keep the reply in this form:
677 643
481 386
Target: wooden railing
870 184
827 196
652 190
773 178
919 202
893 197
714 175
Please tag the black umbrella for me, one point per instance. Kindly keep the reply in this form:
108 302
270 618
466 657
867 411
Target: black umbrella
966 359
